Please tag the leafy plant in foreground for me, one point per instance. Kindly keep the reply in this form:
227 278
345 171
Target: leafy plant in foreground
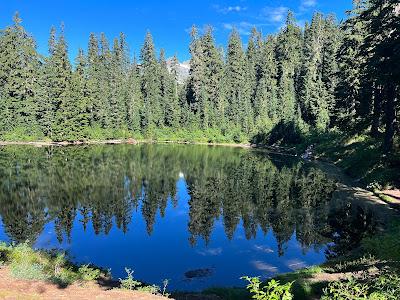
129 283
88 274
273 290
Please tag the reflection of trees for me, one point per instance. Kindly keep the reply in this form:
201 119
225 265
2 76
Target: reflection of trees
348 226
104 185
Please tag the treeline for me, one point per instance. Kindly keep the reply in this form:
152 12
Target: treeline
279 87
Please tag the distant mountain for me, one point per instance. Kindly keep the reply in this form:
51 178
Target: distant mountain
183 69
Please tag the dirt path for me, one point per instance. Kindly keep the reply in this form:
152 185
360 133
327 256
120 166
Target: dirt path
395 194
11 288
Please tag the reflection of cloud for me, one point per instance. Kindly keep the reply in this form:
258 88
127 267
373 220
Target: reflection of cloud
295 264
262 266
210 252
263 249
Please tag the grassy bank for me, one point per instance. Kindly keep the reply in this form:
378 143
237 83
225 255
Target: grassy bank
359 155
53 267
189 135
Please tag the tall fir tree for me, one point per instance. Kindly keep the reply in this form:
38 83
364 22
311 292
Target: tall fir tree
238 86
19 65
288 57
152 114
265 100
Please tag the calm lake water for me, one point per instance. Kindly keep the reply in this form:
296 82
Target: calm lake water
199 216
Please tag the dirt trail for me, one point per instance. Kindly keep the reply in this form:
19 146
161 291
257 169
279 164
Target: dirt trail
11 288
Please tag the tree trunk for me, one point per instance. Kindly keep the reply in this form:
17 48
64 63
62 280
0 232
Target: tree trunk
390 113
377 111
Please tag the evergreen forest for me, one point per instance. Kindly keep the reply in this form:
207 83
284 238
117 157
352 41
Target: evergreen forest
327 75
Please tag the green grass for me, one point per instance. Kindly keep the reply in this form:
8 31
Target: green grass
27 263
359 155
302 288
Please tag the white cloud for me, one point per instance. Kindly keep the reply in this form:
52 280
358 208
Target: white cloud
308 3
274 14
228 9
244 28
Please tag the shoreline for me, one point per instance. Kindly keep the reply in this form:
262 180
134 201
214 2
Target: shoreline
270 149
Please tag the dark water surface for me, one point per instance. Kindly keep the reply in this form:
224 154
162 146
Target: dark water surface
199 216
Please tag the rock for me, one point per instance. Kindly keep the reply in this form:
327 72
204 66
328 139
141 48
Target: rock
131 141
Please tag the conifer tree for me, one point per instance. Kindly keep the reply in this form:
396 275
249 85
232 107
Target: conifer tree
93 81
265 100
237 89
73 114
313 92
60 80
212 105
57 75
288 56
195 93
350 67
152 114
168 92
19 64
133 98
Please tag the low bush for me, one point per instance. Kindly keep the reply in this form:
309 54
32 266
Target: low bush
383 287
272 290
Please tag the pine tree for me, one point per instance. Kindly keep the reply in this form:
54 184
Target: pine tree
152 114
349 99
133 98
195 91
212 105
57 76
93 81
254 55
19 65
381 50
265 100
73 115
313 92
237 89
59 85
168 84
117 79
104 76
288 56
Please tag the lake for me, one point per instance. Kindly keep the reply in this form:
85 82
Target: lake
199 216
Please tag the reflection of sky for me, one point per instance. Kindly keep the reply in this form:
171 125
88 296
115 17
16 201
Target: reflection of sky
3 235
167 253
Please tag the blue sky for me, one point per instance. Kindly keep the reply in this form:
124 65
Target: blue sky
168 21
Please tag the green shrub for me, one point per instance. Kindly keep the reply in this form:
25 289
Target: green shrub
29 271
383 287
27 263
129 283
272 290
23 134
346 290
87 273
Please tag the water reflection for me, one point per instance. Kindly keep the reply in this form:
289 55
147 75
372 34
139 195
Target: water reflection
73 190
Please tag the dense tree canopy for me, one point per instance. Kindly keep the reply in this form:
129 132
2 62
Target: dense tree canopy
299 80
